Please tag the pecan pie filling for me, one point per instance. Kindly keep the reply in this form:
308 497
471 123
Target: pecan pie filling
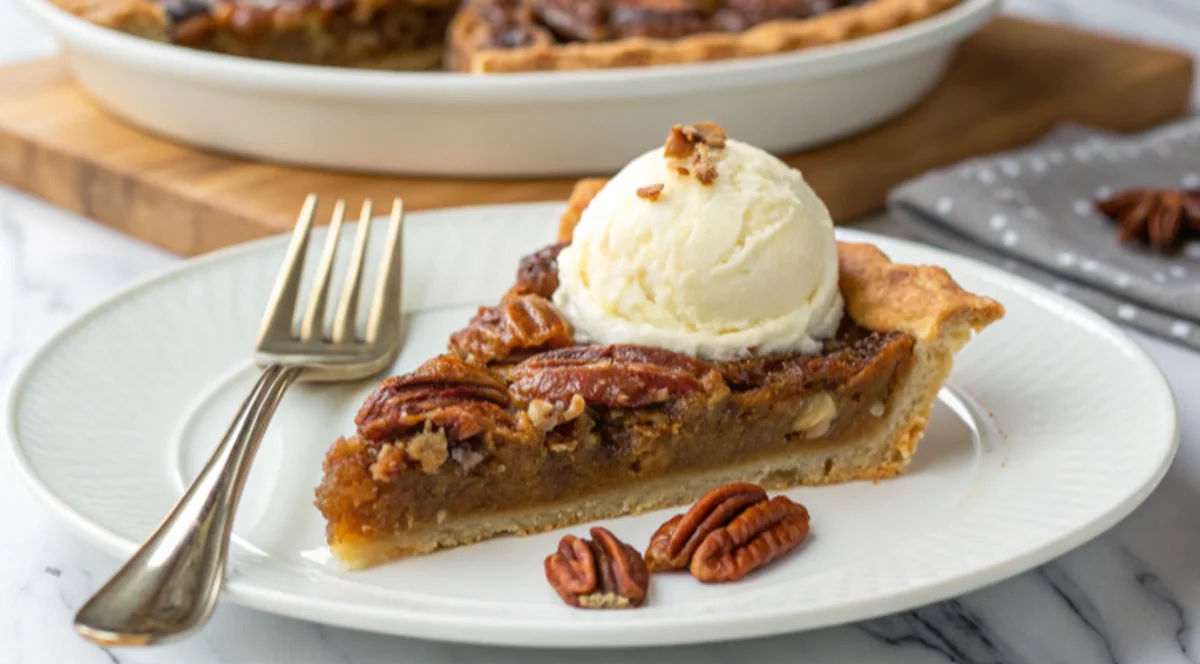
516 416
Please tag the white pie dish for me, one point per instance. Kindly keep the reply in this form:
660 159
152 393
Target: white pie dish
1054 426
502 125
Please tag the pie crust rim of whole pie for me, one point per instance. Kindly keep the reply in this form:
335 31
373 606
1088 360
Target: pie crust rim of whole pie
296 32
922 302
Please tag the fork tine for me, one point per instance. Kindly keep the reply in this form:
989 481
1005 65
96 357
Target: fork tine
385 306
347 311
277 323
313 325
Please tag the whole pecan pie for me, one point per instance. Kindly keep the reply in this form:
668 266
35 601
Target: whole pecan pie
501 35
517 429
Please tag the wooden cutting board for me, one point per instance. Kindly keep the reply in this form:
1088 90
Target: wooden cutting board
1008 85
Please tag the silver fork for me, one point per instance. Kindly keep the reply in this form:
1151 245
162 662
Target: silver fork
171 583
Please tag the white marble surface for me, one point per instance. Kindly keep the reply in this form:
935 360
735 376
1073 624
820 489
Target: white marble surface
1131 596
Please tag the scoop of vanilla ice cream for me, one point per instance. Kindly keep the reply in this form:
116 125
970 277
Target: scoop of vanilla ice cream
745 265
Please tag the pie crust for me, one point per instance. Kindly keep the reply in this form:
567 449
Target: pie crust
467 453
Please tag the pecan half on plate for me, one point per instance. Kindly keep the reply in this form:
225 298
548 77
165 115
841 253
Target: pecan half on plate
600 573
732 531
618 376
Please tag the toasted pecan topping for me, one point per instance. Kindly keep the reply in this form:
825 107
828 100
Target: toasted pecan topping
538 272
837 364
684 139
706 133
816 415
695 143
678 146
389 462
546 415
702 166
620 376
250 22
657 19
574 20
519 324
178 11
290 16
428 449
508 24
650 192
222 12
195 29
740 15
521 23
445 394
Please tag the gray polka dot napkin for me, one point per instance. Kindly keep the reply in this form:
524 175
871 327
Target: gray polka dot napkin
1031 212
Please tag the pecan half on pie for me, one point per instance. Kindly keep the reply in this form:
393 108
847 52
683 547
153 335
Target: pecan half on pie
526 425
501 35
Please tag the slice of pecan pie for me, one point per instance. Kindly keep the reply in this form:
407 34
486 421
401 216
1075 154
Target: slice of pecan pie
519 430
378 34
526 35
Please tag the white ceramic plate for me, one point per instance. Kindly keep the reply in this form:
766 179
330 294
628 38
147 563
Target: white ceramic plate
503 125
1054 426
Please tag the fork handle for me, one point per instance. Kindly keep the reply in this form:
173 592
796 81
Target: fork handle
171 583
